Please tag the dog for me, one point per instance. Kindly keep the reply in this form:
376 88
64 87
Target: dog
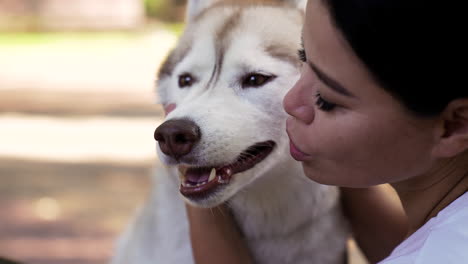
224 141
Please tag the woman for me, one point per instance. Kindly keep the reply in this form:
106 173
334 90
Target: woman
379 101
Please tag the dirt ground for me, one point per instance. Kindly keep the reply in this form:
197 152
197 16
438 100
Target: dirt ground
77 115
62 212
76 145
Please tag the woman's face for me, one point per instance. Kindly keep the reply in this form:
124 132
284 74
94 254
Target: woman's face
344 128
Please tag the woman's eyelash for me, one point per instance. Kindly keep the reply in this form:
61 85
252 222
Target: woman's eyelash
302 55
324 105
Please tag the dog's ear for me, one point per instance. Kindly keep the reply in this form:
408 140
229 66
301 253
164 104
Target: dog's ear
195 7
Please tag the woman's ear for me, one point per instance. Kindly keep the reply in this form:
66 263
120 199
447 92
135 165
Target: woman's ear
452 138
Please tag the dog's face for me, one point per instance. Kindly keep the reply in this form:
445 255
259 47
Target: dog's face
222 89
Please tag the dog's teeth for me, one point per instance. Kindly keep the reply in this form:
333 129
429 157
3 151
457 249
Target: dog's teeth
221 180
186 184
212 174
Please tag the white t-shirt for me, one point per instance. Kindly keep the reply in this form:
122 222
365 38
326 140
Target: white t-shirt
442 240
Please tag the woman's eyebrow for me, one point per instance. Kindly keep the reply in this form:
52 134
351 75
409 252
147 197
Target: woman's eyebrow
330 82
334 85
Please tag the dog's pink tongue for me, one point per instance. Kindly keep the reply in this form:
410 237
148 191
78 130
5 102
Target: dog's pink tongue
197 175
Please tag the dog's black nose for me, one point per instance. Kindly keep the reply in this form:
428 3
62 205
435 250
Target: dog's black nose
177 137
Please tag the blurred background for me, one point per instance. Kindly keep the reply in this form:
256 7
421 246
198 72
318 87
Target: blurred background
77 116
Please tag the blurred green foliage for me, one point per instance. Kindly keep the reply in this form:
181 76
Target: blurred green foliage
156 8
176 28
167 10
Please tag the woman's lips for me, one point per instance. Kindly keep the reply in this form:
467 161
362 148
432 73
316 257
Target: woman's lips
296 153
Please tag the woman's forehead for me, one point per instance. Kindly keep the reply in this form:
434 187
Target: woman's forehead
326 48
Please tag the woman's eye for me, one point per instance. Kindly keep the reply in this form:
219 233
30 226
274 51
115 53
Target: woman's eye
302 55
324 105
255 80
186 80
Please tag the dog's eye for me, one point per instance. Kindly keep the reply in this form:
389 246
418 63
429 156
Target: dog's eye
254 80
186 80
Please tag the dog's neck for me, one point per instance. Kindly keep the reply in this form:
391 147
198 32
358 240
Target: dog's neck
283 195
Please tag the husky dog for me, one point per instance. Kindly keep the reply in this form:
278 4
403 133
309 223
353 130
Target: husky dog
224 141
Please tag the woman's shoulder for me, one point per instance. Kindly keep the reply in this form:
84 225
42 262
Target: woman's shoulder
443 239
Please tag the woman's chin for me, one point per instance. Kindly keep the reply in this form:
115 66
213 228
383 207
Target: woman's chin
333 179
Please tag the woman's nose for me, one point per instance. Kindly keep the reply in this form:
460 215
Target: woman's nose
299 102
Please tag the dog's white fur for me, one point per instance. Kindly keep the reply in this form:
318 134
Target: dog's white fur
285 217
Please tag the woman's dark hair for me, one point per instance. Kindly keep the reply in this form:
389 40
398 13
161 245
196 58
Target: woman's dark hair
413 48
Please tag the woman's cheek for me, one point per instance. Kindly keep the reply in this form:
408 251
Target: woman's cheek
335 137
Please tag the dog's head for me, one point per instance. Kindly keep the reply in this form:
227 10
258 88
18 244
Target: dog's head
222 89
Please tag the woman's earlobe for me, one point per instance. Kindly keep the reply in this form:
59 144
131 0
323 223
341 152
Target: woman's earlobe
453 139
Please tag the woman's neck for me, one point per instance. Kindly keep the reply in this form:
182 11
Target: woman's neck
425 196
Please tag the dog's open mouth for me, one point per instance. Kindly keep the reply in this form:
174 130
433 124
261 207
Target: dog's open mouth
200 181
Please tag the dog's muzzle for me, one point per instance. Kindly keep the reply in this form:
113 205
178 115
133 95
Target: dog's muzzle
177 137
